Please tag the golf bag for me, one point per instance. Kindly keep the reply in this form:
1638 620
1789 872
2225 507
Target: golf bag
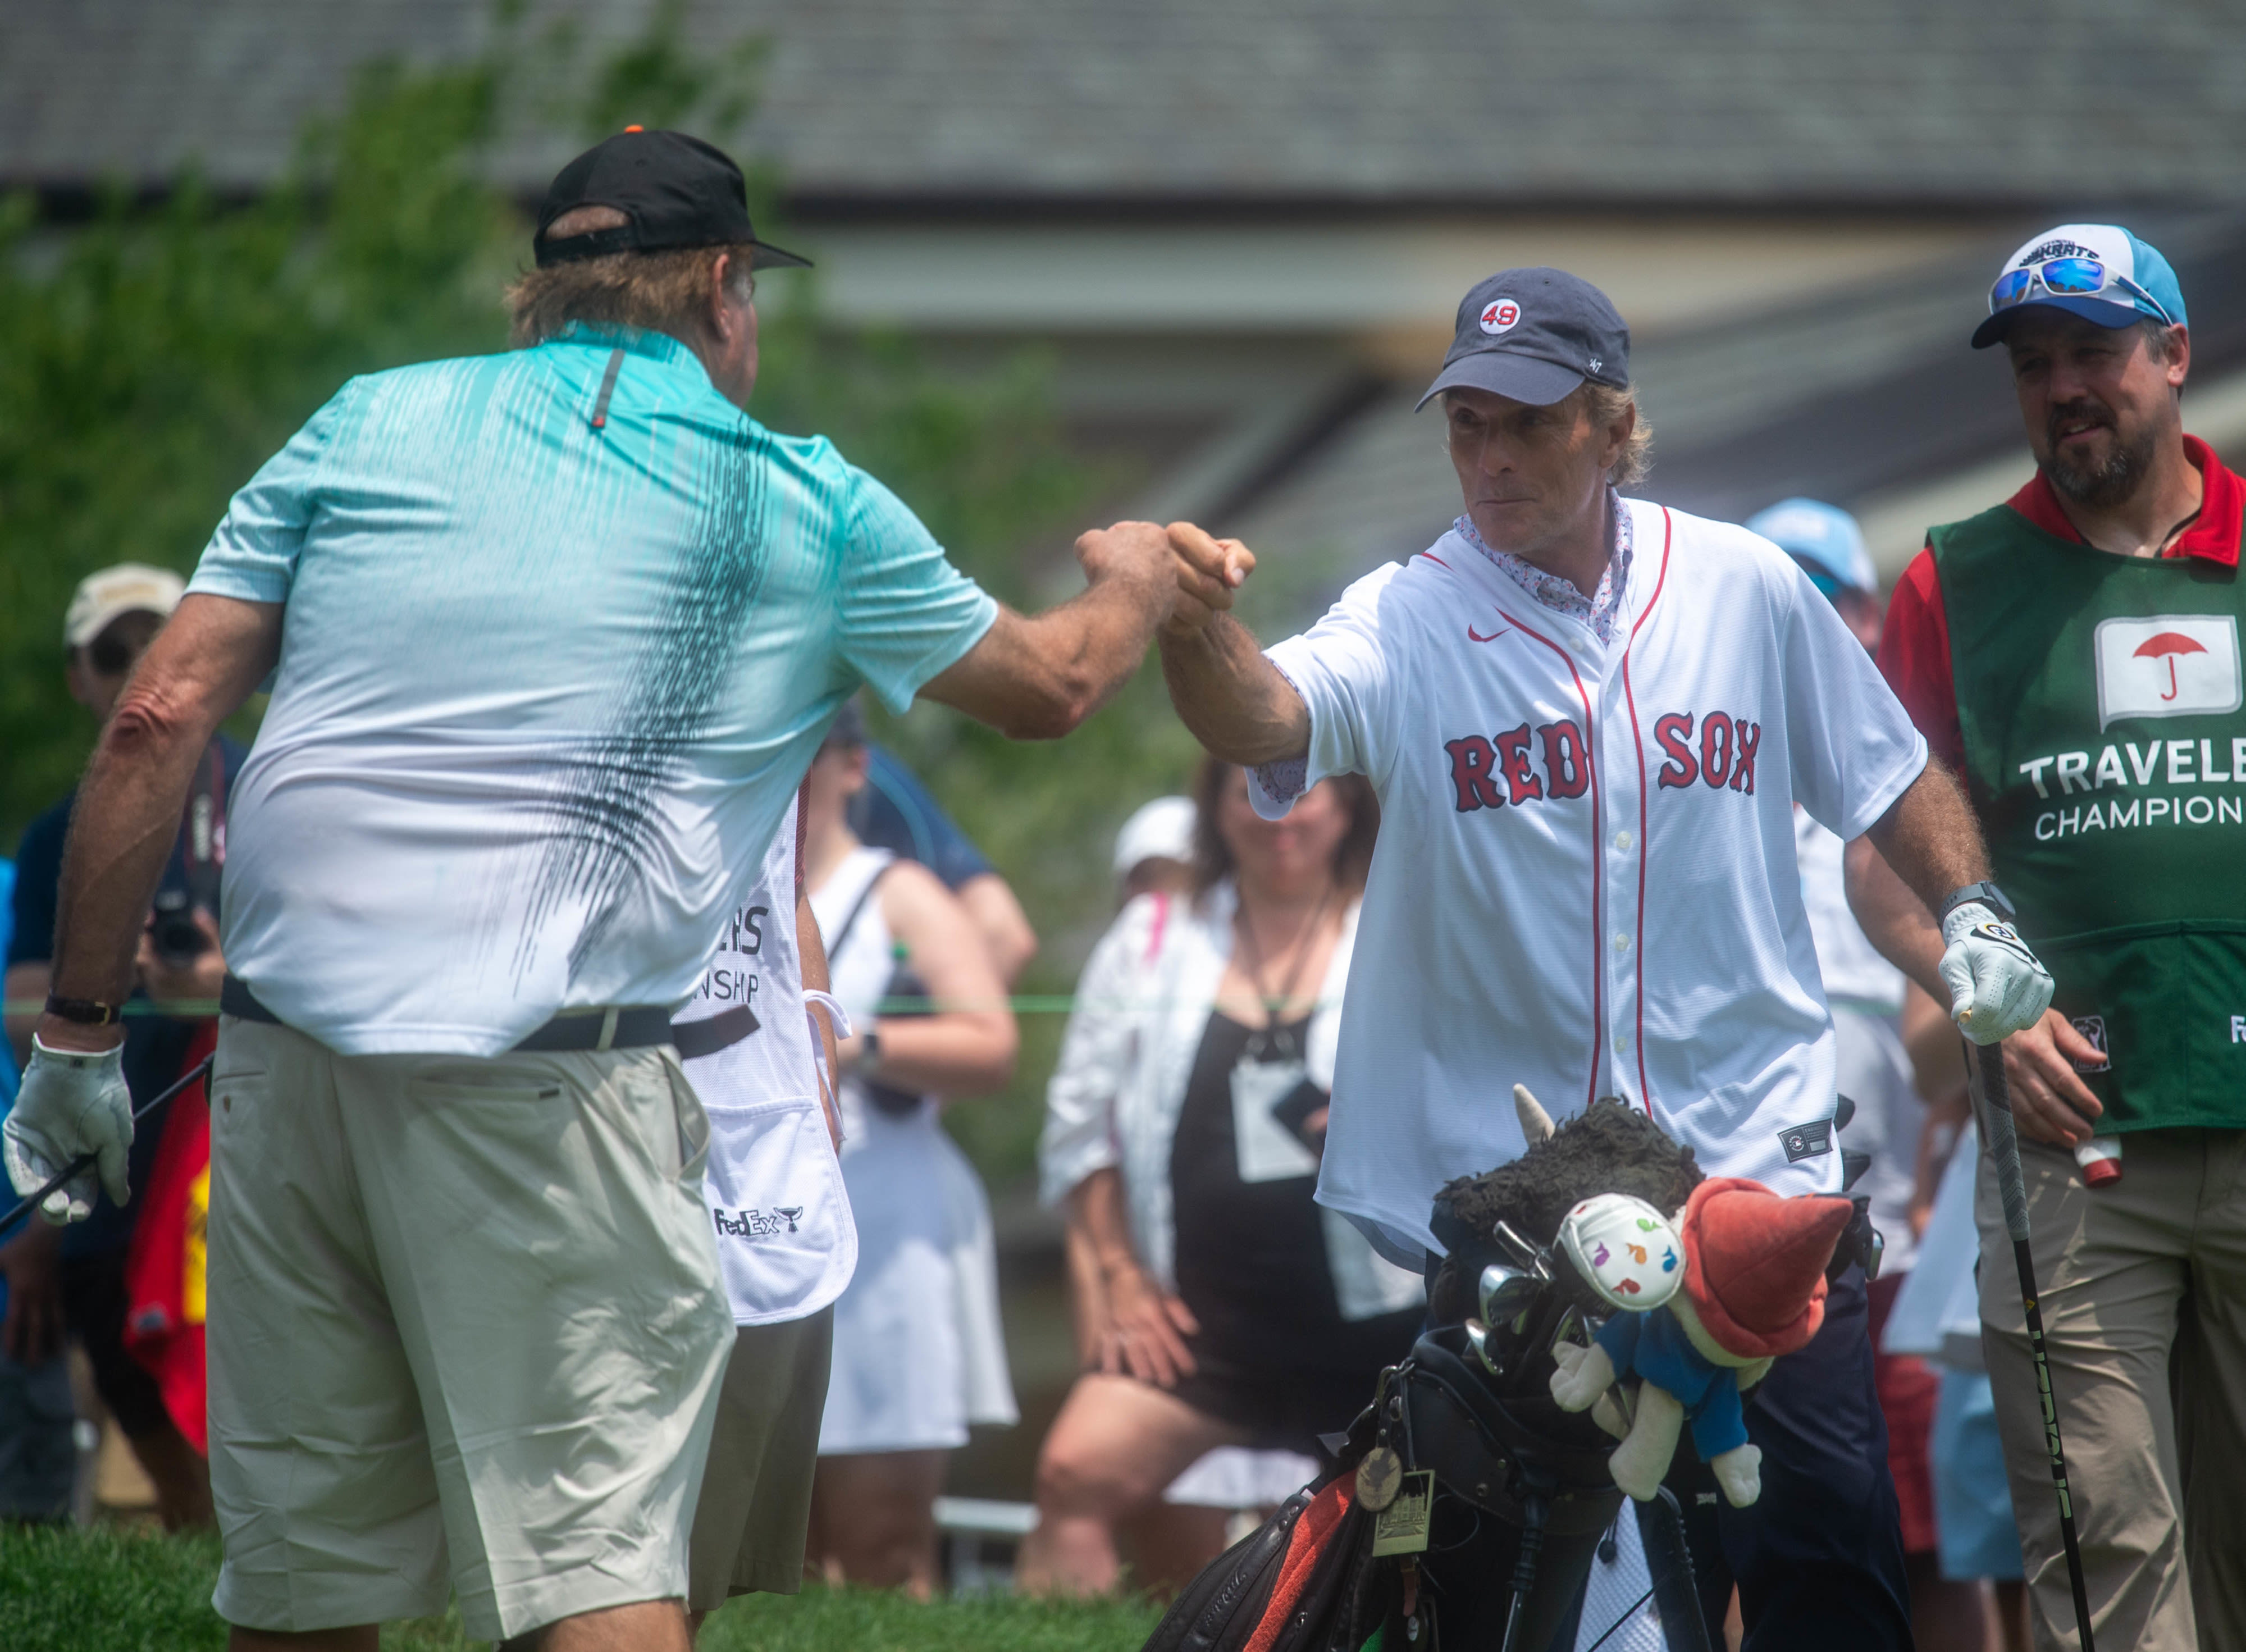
1467 1506
1491 1504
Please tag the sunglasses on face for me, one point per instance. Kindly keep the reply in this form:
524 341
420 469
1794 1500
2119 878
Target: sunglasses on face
113 656
2071 277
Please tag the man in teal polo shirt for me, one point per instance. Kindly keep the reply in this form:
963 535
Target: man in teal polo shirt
2074 652
553 636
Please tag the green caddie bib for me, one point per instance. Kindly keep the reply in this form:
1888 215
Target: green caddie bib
2099 698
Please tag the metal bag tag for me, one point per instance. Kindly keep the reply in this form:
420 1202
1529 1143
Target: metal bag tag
1401 1528
1379 1477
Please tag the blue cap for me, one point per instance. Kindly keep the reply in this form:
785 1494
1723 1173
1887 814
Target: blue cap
2146 289
1824 539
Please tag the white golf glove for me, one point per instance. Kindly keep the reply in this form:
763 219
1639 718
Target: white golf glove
72 1103
1997 986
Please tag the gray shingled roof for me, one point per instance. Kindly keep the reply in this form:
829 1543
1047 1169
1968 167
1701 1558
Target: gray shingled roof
1586 101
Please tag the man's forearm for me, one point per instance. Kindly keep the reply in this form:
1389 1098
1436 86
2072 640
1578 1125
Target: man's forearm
1930 837
1930 845
1096 639
202 666
1233 699
1896 921
1036 678
123 826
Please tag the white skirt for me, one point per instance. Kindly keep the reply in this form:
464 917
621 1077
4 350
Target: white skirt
920 1352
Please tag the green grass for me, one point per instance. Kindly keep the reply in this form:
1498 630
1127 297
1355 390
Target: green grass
111 1590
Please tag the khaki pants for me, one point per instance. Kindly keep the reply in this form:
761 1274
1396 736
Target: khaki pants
2143 1291
755 1516
465 1331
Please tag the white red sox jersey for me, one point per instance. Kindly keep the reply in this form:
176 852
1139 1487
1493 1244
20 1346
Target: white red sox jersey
786 1244
1585 878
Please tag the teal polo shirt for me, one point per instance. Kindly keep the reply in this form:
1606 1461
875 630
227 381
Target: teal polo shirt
562 630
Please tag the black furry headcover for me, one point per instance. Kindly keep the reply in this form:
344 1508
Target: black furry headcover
1610 1147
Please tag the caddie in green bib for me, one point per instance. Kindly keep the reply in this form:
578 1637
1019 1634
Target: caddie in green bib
2099 699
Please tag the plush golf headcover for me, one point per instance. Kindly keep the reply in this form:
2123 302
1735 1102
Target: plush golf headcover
1754 1263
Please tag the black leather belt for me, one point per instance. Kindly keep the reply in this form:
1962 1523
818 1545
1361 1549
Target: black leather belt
612 1027
713 1033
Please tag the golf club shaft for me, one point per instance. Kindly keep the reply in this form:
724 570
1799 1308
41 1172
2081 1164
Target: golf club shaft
85 1162
2011 1193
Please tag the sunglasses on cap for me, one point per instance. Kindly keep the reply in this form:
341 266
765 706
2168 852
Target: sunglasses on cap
2070 277
1821 576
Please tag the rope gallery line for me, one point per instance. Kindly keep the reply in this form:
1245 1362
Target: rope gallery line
1058 1004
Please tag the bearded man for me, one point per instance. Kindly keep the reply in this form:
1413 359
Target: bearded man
2074 652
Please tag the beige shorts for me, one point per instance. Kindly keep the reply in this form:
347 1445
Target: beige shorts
754 1515
465 1330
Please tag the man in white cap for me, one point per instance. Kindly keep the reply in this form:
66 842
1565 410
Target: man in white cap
1155 849
75 1280
2074 653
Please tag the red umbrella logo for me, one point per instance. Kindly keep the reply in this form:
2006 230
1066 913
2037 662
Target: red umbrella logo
2165 645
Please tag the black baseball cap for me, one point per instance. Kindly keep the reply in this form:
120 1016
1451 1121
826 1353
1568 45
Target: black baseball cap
677 190
1534 335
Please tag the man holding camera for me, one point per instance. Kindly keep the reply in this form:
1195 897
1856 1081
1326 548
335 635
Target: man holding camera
73 1281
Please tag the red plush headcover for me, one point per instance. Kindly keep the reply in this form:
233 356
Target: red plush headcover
1754 1263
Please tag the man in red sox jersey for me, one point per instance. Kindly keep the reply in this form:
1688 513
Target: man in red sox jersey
1588 719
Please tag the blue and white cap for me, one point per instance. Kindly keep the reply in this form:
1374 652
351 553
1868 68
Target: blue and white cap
2100 272
1824 539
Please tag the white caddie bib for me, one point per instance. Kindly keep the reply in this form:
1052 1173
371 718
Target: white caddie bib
787 1245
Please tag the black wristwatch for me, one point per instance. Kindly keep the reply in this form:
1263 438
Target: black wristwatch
1986 893
869 1054
85 1012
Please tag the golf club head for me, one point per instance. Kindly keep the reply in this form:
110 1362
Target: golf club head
1527 1258
1477 1340
1510 1298
1505 1293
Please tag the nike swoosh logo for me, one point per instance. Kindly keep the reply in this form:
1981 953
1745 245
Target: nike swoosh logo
1473 636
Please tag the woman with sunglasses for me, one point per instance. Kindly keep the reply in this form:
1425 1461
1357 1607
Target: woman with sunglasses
1184 1130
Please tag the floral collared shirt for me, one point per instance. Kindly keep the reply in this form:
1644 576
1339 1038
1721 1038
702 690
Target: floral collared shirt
1284 780
1600 608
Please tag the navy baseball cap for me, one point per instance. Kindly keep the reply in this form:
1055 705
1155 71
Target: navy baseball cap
2100 272
1534 335
677 190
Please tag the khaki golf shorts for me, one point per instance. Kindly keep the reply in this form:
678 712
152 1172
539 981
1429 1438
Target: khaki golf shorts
755 1516
465 1332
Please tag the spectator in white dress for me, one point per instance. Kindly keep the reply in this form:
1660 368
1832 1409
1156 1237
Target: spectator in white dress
919 1354
1183 1129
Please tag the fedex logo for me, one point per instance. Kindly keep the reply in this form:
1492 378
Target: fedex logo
1723 756
1492 772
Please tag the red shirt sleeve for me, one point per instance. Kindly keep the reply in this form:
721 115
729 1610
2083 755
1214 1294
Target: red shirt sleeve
1915 659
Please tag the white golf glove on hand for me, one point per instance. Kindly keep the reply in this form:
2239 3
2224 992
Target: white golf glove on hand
72 1103
1997 986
